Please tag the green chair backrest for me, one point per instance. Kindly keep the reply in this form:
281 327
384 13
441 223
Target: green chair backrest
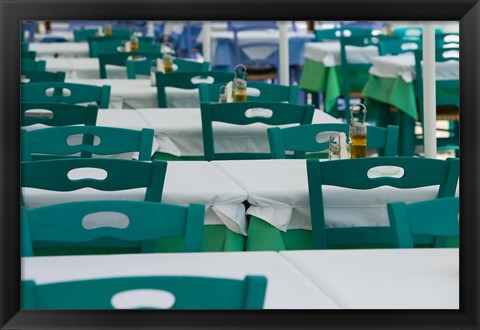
122 174
58 114
190 292
34 76
305 138
84 34
25 46
447 40
398 46
54 142
256 91
28 55
187 80
245 113
143 222
438 218
336 33
114 43
29 64
354 75
120 59
417 172
66 93
143 67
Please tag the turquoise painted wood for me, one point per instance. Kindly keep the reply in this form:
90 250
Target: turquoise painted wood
31 64
141 222
336 33
303 138
354 74
438 218
53 142
84 34
120 59
267 92
418 172
184 80
66 92
111 44
58 114
447 97
190 292
143 67
238 113
121 174
34 76
398 46
28 55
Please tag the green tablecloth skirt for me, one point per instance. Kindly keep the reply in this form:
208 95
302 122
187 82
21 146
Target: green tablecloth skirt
264 237
216 238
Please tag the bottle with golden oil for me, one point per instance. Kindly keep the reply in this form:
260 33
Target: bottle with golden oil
358 132
107 31
167 62
239 88
134 43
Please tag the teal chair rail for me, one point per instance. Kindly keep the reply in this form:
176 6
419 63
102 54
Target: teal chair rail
31 64
190 292
142 222
143 66
353 174
121 174
398 46
84 34
438 218
303 138
66 92
54 142
120 59
58 114
336 33
34 76
187 80
266 92
241 113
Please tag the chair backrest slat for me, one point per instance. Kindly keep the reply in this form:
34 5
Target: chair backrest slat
58 114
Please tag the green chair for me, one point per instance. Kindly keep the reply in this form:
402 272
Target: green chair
143 66
245 113
447 40
120 59
190 292
84 34
141 222
266 92
354 75
398 46
29 64
50 143
34 76
187 80
447 98
303 138
410 32
28 55
437 218
114 43
353 174
58 114
66 92
336 33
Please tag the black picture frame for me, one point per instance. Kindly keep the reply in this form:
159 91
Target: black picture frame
465 11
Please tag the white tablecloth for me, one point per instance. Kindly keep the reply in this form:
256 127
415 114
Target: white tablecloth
287 288
138 94
185 183
383 278
404 66
278 193
60 49
84 68
328 53
179 132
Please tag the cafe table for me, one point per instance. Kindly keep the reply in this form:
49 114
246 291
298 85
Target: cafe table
322 68
185 182
280 206
83 68
46 50
287 288
138 93
391 83
179 132
383 278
